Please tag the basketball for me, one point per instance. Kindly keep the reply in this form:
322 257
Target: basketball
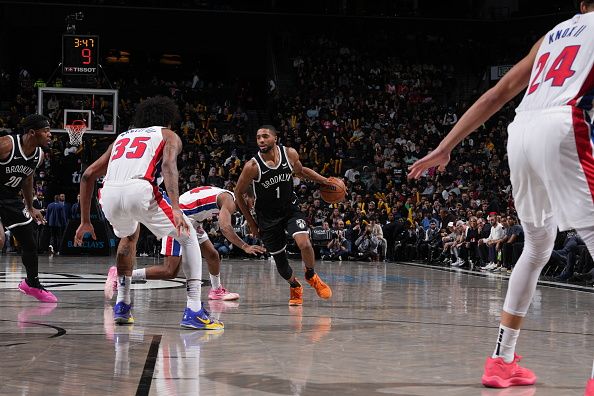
333 192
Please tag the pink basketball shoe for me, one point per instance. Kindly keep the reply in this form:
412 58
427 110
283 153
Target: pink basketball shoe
589 388
222 294
111 283
499 374
37 291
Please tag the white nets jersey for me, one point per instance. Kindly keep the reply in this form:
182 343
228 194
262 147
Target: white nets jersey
200 203
563 73
136 154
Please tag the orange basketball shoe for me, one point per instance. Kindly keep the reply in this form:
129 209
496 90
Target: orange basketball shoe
322 289
296 295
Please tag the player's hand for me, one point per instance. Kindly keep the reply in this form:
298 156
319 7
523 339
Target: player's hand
180 223
437 157
37 216
82 230
254 249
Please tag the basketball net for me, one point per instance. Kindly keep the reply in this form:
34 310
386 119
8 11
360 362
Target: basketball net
76 131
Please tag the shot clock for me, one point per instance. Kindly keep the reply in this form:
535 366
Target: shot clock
80 54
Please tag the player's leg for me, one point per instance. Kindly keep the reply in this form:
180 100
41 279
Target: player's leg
13 215
213 260
159 220
25 235
534 207
297 228
121 205
275 242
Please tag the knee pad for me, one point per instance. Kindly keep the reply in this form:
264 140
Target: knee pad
282 265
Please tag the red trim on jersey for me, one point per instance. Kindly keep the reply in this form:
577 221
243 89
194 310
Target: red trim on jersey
152 168
584 146
587 86
200 202
163 204
168 246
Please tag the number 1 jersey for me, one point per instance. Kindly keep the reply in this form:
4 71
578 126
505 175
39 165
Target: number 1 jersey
563 72
136 154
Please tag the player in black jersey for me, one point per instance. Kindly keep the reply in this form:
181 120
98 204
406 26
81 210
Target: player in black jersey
19 157
271 173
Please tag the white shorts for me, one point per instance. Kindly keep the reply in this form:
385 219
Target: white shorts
137 201
552 167
171 247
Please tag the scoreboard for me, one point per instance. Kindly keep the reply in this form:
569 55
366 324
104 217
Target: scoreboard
80 54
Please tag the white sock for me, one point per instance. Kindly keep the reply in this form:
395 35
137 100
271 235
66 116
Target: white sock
506 343
124 289
139 274
193 292
215 281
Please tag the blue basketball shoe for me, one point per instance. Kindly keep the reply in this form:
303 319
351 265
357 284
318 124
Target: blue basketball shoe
200 320
122 313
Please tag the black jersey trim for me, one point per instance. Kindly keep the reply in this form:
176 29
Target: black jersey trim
280 159
18 139
11 153
287 158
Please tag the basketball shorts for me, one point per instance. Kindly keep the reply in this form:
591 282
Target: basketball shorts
552 167
274 231
13 212
137 201
171 247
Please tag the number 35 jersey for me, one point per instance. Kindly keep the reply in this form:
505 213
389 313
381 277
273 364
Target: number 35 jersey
16 168
136 154
563 71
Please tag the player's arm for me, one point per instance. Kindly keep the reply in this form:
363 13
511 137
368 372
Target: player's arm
173 146
87 185
248 174
304 172
512 83
227 207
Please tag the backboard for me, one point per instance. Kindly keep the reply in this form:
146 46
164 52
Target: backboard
98 108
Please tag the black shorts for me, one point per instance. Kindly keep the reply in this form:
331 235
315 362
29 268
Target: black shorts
273 231
13 212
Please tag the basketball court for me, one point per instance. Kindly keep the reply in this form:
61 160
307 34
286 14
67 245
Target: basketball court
398 329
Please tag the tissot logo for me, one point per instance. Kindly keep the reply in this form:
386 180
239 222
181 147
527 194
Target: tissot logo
77 282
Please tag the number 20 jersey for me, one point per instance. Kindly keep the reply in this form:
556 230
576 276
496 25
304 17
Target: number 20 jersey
563 71
136 154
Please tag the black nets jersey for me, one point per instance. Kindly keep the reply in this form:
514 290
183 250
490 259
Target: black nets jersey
274 187
16 168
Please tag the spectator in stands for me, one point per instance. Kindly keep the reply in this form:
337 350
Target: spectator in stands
513 234
57 218
493 242
367 245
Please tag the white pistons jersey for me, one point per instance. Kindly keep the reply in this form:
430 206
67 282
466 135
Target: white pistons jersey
563 73
136 155
200 203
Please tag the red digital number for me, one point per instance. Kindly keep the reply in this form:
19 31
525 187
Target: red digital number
559 71
135 150
86 54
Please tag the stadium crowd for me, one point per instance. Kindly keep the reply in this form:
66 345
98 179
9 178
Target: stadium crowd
352 115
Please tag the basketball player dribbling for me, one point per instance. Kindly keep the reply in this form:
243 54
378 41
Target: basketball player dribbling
132 166
271 174
551 163
199 204
20 155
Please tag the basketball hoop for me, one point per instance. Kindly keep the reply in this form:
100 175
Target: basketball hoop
76 131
